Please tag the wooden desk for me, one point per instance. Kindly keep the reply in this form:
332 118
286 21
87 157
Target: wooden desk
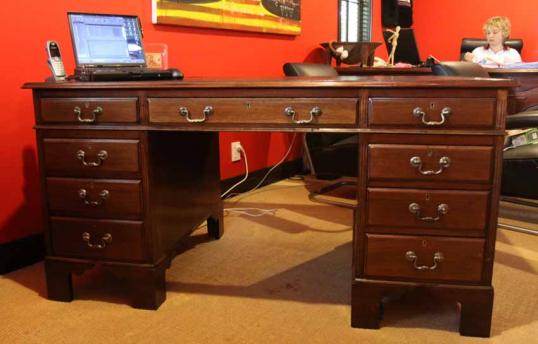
356 70
525 95
520 98
118 192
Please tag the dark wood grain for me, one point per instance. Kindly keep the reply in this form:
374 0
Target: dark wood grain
254 110
165 177
464 113
112 109
386 258
62 156
467 164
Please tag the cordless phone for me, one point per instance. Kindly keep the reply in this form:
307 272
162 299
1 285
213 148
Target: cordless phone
54 59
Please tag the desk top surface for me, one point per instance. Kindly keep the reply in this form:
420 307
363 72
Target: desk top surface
370 81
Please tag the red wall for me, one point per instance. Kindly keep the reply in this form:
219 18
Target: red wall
27 24
441 24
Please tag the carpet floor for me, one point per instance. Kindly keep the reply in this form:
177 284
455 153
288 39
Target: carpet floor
283 277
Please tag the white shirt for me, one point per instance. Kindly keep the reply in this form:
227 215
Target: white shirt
491 59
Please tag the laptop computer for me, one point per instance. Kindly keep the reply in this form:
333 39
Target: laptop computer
406 50
108 47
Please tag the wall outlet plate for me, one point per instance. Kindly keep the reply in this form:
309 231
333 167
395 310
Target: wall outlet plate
236 151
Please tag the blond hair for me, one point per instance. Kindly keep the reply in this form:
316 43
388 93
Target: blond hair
501 23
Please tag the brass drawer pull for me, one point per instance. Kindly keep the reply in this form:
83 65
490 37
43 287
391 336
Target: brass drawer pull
96 112
442 209
412 257
206 112
103 195
315 111
419 113
101 156
105 240
416 161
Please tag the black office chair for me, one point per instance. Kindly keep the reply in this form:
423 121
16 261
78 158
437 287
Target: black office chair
520 164
469 44
329 156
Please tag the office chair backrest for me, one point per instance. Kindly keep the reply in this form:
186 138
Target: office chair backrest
308 69
460 68
469 44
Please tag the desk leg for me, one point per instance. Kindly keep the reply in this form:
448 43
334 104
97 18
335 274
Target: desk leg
476 312
476 303
215 223
146 285
365 305
59 281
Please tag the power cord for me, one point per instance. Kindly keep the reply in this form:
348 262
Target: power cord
246 172
248 211
270 170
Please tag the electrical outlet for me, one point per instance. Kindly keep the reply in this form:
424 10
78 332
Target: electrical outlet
236 151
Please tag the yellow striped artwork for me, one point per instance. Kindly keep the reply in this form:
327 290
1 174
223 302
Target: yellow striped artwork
271 16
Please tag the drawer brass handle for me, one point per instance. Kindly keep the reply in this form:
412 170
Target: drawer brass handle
96 112
103 195
445 112
105 240
315 111
101 156
185 112
416 161
412 257
442 209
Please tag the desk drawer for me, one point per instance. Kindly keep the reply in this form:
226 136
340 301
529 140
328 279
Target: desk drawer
416 112
89 110
473 164
95 157
95 197
328 111
102 239
429 209
424 258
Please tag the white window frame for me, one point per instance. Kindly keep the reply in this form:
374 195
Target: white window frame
354 20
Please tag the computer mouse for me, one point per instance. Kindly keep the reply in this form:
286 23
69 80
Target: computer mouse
176 73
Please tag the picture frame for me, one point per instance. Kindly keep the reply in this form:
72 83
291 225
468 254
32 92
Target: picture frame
267 16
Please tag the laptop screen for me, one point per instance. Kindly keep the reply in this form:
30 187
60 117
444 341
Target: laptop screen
406 50
106 40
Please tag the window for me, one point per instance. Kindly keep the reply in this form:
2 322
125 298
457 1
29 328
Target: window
354 20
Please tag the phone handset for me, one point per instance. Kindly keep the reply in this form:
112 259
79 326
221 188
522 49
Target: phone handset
54 59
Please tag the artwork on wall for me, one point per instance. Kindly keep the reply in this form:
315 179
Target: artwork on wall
272 16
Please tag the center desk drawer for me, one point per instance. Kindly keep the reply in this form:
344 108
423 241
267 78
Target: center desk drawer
89 110
252 110
424 258
95 198
98 157
104 239
432 113
415 208
472 164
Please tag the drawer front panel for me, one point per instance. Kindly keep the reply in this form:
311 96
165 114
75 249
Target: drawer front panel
260 111
424 258
97 157
95 198
458 112
459 210
430 163
89 110
103 239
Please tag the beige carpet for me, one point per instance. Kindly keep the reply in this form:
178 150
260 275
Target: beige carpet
281 278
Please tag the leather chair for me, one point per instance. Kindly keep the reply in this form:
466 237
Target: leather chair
520 164
329 156
469 44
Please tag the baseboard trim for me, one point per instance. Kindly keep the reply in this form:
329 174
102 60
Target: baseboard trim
22 252
285 170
